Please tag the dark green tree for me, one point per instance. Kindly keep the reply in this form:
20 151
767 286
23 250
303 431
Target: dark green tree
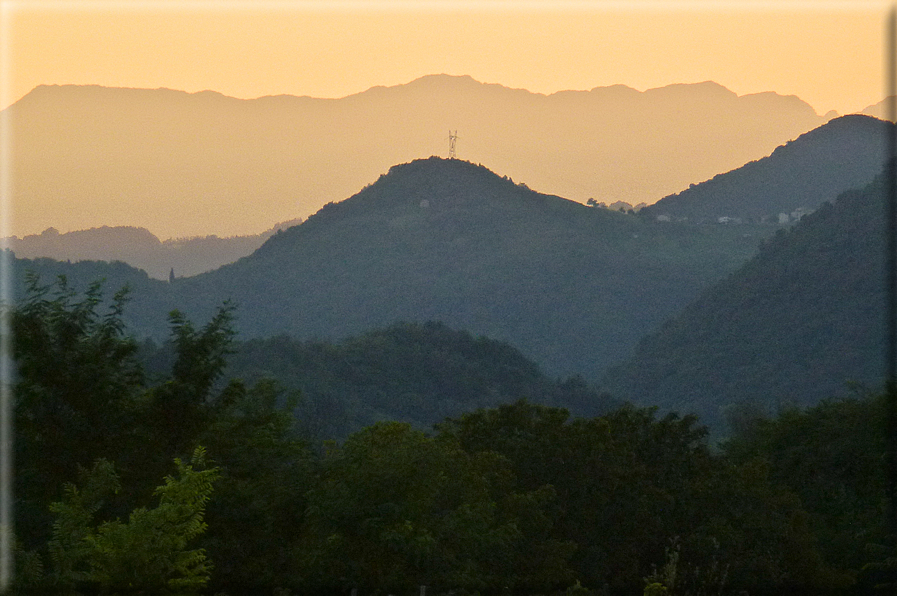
832 457
628 484
149 553
81 395
75 396
266 471
396 509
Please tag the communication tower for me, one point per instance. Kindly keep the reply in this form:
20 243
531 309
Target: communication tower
453 137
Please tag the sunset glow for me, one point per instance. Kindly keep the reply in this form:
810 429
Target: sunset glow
828 54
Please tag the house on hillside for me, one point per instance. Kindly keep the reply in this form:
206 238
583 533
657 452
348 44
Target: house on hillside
798 213
729 220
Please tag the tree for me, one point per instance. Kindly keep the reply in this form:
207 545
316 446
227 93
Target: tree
259 505
831 456
629 483
75 396
150 552
82 396
396 509
184 404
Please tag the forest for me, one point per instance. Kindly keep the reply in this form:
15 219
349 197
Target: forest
172 476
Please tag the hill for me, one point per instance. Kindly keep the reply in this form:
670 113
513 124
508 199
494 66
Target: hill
409 372
572 287
793 326
844 153
140 248
194 164
150 300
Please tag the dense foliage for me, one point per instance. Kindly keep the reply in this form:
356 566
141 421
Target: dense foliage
408 372
82 403
515 499
831 457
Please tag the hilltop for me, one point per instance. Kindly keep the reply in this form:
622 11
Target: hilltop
409 372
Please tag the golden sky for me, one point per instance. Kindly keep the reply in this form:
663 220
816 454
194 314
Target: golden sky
830 54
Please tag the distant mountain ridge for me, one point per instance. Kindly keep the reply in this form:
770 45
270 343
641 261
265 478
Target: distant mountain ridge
878 110
573 287
197 164
845 153
141 248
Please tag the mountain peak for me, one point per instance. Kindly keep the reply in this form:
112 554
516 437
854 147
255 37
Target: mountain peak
430 196
457 180
433 181
438 165
703 89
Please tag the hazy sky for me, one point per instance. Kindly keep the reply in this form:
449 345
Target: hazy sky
828 53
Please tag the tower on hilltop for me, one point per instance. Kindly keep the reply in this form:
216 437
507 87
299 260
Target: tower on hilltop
453 138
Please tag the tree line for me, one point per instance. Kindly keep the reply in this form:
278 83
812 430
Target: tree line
194 483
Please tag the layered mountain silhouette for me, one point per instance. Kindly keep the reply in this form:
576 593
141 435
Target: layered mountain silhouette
798 176
793 326
878 110
573 287
182 164
448 240
141 248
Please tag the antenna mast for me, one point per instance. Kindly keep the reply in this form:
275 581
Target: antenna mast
453 137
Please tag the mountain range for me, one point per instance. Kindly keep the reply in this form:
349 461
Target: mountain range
194 164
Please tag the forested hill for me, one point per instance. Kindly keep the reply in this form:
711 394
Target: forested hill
572 287
845 153
793 326
409 372
149 300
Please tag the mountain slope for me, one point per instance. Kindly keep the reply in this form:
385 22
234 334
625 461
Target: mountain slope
793 326
845 153
196 164
572 287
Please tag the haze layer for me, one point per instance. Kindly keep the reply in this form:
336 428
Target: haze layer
184 164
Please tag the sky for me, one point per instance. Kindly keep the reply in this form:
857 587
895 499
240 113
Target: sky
830 54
